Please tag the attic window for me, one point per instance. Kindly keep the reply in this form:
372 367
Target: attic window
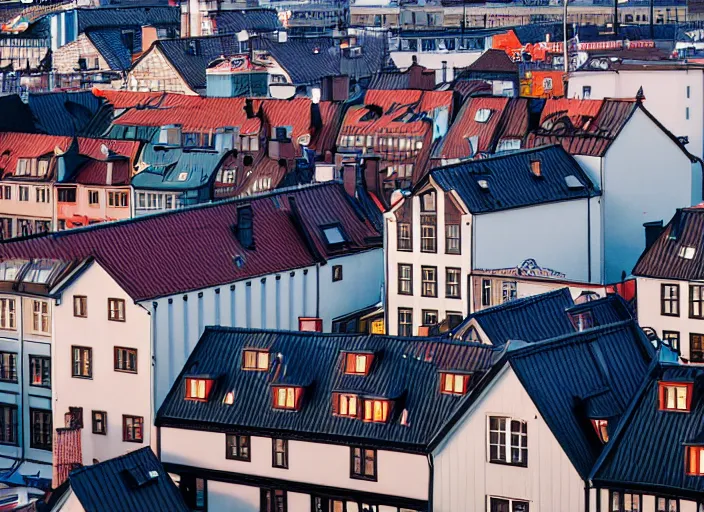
345 405
310 324
333 235
376 411
536 168
358 364
482 115
686 252
255 360
695 460
287 397
573 183
582 321
229 398
601 426
139 476
198 389
675 396
453 384
483 184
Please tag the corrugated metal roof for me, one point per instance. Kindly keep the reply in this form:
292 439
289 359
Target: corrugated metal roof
63 113
468 135
162 254
648 450
494 61
95 173
126 17
662 260
110 45
510 182
562 374
514 122
167 167
108 485
405 370
252 20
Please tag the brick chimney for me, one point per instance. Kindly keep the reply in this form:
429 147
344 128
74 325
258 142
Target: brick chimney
149 35
349 178
371 175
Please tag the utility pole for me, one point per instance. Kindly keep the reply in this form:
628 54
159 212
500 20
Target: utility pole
564 36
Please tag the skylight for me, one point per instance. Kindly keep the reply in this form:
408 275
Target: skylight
333 235
573 183
9 270
183 176
482 115
483 184
687 252
40 271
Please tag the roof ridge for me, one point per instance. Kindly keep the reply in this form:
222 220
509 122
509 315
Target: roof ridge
495 157
523 301
83 469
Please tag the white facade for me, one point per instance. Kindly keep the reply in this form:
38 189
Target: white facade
648 503
674 96
399 474
463 478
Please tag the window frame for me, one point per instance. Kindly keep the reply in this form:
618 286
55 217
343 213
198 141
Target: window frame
508 443
454 376
297 397
8 311
621 500
448 272
12 367
117 302
44 444
336 273
126 429
510 501
94 423
485 292
400 313
43 360
238 445
275 452
434 282
699 467
666 333
674 301
264 491
699 301
81 300
400 279
700 350
127 351
82 350
363 456
431 247
424 312
404 247
257 353
662 396
12 409
38 317
668 502
448 238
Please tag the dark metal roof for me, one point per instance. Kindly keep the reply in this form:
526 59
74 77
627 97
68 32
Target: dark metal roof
648 449
125 17
63 113
252 20
110 45
162 254
662 260
167 166
511 182
16 115
562 376
405 370
493 61
110 485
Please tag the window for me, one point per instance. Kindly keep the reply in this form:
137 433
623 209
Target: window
509 291
507 505
667 504
452 283
586 92
347 405
336 273
363 463
125 359
40 316
8 424
688 92
93 198
452 239
279 453
7 314
482 115
675 396
582 321
42 195
80 306
82 362
237 447
427 233
686 113
376 411
670 300
118 199
453 384
429 284
672 340
41 429
454 318
132 431
405 279
272 500
357 364
67 195
430 317
8 367
257 360
333 235
404 237
696 348
8 192
625 502
116 310
194 491
696 301
23 166
486 292
100 422
310 324
287 397
24 193
405 322
74 417
601 428
40 370
695 460
508 441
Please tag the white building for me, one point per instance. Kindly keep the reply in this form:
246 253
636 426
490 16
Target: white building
670 285
127 318
540 202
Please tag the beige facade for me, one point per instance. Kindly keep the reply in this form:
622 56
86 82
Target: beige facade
153 72
66 59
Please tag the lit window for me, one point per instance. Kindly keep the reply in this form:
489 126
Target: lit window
279 453
40 316
376 411
257 360
116 310
82 366
237 447
357 364
132 431
310 324
667 504
99 421
695 460
198 389
482 115
347 405
675 396
286 397
453 384
40 368
601 428
229 398
508 441
363 463
125 359
686 252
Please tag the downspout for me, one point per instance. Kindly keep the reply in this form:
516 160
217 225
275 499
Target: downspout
589 239
586 496
386 277
431 480
317 292
152 363
22 387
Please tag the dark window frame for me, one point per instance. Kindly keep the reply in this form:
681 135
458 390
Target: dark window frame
13 412
46 442
485 292
112 300
238 446
82 350
677 339
434 282
700 350
410 326
458 283
399 280
125 429
94 423
423 313
284 452
83 300
127 351
335 276
429 220
674 301
404 247
272 492
12 367
32 365
621 498
448 238
362 475
667 503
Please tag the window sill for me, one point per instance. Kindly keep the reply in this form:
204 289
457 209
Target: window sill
238 459
116 320
452 297
40 448
504 463
84 377
133 372
40 386
670 314
138 441
6 381
100 433
366 478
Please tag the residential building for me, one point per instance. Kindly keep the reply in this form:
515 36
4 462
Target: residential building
668 279
125 319
342 421
495 67
663 471
447 227
135 481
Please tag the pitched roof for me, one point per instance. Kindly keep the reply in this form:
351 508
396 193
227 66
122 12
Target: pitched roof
101 17
135 481
162 254
647 452
405 370
16 115
510 182
471 133
514 121
415 77
493 61
167 167
252 20
109 43
63 113
563 376
94 172
662 260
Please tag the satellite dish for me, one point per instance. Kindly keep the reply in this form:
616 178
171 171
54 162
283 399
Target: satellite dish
104 150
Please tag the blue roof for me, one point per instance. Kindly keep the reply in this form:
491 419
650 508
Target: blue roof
565 377
167 166
406 370
647 450
63 113
511 182
127 17
136 481
252 20
110 45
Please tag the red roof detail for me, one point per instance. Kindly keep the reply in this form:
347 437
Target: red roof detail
195 248
126 99
95 173
466 126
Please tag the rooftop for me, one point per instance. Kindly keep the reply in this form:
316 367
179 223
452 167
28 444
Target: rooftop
475 127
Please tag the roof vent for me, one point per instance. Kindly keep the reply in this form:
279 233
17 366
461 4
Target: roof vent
573 183
483 184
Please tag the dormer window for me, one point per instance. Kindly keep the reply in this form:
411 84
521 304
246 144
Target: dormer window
427 202
198 389
686 252
287 397
675 396
229 398
358 364
695 460
453 384
333 235
601 428
255 360
347 405
582 321
482 115
376 411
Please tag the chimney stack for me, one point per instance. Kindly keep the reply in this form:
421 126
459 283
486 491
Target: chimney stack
652 232
149 35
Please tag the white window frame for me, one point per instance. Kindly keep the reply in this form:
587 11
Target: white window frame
40 315
508 442
8 314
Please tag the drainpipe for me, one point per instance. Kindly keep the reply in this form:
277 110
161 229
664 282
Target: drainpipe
317 291
564 36
20 321
589 239
431 479
586 490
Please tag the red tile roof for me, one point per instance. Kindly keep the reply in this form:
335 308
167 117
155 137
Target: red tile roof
195 248
94 172
126 99
466 126
514 123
